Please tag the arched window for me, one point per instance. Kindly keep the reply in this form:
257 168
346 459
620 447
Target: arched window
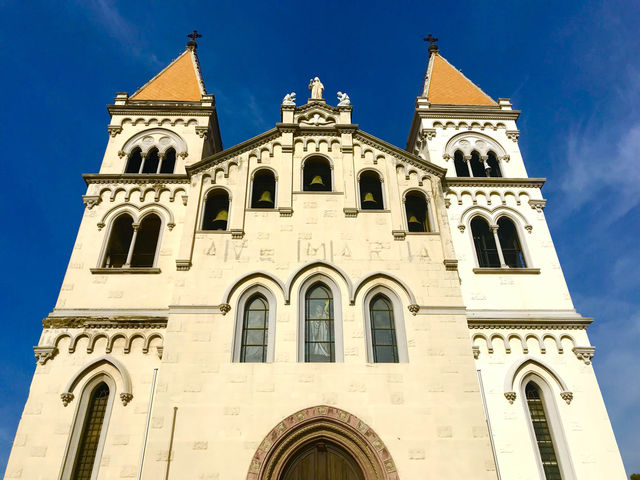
146 242
316 176
492 161
542 432
417 212
134 162
370 191
151 161
263 194
119 242
485 243
383 330
319 337
510 244
255 330
168 161
216 210
477 165
462 168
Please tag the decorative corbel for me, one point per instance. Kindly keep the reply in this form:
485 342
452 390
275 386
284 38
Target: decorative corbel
476 351
202 131
584 353
414 309
510 396
567 397
114 130
451 265
44 353
513 135
461 227
399 234
66 398
538 205
91 201
126 398
225 308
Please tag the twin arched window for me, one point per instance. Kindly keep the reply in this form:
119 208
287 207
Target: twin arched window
497 246
370 191
263 193
417 212
480 167
132 245
152 161
316 175
216 210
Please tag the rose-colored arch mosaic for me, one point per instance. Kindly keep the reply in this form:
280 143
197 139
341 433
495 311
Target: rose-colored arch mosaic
328 423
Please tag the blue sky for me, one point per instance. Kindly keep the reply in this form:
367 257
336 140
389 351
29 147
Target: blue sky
572 68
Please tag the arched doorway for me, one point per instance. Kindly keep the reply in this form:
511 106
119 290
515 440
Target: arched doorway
322 461
322 443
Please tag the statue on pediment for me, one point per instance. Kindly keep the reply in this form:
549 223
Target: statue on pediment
289 99
344 100
316 87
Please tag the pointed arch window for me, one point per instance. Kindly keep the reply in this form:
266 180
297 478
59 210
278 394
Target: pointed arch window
263 193
417 212
319 325
255 330
542 432
498 245
383 330
485 242
216 210
462 167
133 245
134 162
316 176
370 191
494 165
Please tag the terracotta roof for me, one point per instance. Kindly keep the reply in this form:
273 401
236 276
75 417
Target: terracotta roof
180 81
445 85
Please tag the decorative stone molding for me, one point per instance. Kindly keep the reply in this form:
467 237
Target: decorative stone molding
116 321
476 351
202 131
160 351
513 135
121 153
126 398
414 309
528 228
183 154
447 202
429 133
584 353
350 212
66 398
44 353
537 205
114 130
567 397
237 234
225 308
510 396
399 234
285 211
91 201
446 157
461 227
450 265
183 265
505 158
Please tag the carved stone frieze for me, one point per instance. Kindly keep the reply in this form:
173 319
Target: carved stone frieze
105 322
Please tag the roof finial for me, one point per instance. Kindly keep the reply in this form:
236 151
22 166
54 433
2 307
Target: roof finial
192 43
433 48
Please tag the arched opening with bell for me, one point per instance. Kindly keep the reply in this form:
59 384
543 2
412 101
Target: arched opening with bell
417 211
316 176
216 210
371 191
263 193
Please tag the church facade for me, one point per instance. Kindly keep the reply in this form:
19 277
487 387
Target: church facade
313 303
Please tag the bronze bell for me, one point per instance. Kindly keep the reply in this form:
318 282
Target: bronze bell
413 221
368 198
265 198
222 216
317 180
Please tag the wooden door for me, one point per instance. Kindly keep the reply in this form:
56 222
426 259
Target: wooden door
322 461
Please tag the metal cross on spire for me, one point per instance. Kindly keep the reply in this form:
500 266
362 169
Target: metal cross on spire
433 48
193 36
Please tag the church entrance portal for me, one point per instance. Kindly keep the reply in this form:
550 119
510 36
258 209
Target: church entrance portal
322 461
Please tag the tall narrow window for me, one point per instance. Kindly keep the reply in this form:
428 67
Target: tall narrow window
168 161
510 244
383 330
263 193
417 212
485 243
151 161
477 166
255 330
319 325
119 242
134 162
317 175
492 161
90 437
462 168
370 191
216 211
144 250
543 434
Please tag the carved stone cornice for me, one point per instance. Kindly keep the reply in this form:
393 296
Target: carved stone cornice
578 323
168 109
105 322
134 178
492 182
475 113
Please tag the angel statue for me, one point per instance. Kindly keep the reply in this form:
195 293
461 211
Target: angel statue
316 87
344 100
289 99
